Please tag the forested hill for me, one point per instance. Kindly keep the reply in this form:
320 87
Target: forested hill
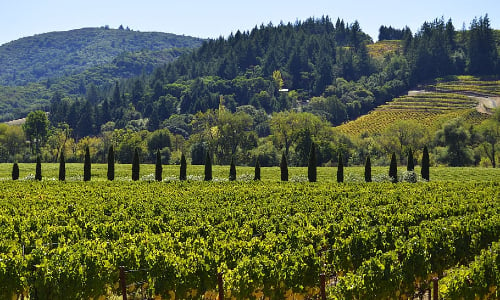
57 54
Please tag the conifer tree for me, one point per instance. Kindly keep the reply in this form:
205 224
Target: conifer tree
368 169
183 170
208 167
284 168
232 170
257 170
340 169
311 166
158 166
411 164
111 163
62 167
38 169
393 169
86 165
15 171
135 166
425 164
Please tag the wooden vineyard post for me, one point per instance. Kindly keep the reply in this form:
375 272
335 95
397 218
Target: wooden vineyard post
220 284
435 290
322 286
123 283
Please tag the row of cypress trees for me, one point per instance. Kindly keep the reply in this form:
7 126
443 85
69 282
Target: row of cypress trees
311 169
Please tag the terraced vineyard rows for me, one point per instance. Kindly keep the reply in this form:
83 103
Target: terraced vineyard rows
67 240
469 84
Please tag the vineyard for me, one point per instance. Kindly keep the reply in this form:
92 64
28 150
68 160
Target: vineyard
271 240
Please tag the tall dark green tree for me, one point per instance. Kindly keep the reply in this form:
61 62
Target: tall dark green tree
368 169
15 171
87 165
257 170
284 168
232 170
312 173
62 167
111 163
38 169
481 49
135 166
393 168
340 169
158 166
425 164
410 166
208 167
183 169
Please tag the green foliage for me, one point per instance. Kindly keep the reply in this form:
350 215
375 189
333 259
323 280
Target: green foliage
183 168
312 165
135 166
36 129
15 171
62 167
284 168
158 166
87 166
425 171
111 164
368 169
38 169
208 167
410 166
393 169
455 137
232 171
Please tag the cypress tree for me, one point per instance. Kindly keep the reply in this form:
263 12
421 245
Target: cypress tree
158 166
340 169
62 167
411 164
135 166
15 171
208 167
111 163
425 164
393 169
368 169
284 168
86 165
257 170
183 171
311 166
232 170
38 169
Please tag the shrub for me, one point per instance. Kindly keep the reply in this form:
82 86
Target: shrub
409 176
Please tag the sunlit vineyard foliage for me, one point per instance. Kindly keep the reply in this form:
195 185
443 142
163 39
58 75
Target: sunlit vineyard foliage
373 241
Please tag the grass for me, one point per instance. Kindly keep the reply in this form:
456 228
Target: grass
74 172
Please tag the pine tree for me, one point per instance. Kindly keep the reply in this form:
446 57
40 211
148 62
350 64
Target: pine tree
62 167
425 164
284 168
208 167
38 169
183 171
393 169
86 165
15 171
135 166
311 166
158 166
411 164
340 169
257 170
232 170
111 163
368 169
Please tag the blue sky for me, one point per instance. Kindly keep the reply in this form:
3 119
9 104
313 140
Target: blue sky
221 17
